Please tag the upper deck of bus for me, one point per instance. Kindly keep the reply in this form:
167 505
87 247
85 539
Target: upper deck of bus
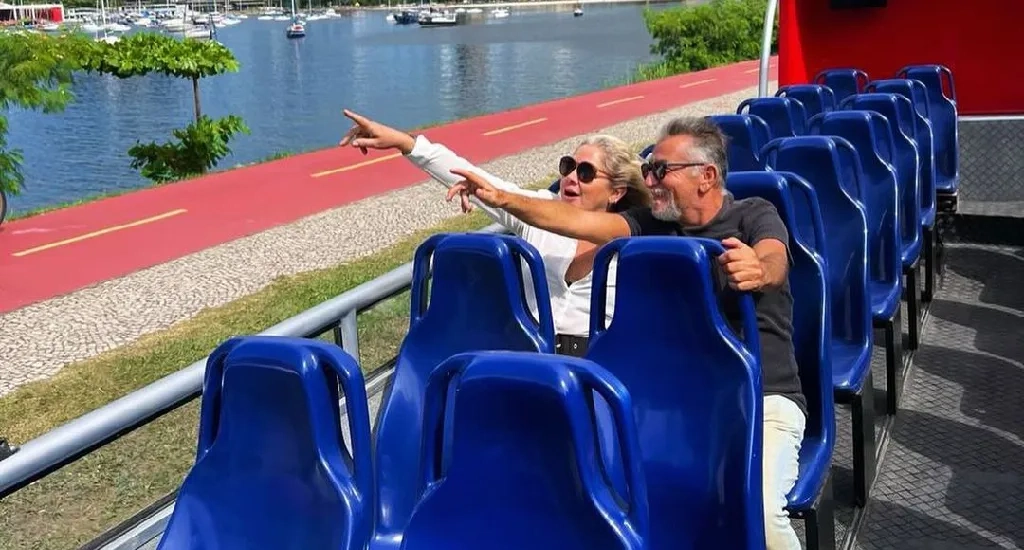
947 463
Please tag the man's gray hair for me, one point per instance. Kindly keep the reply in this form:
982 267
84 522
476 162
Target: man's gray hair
709 143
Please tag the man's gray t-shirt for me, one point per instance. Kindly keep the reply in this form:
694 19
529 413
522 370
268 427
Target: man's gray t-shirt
750 220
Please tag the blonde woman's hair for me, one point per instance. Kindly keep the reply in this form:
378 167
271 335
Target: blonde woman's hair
623 167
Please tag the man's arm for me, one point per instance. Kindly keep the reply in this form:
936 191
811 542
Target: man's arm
564 219
774 262
770 241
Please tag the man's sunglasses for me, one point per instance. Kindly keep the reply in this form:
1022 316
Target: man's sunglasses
659 168
585 171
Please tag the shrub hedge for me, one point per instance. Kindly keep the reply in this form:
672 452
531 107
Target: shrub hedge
693 38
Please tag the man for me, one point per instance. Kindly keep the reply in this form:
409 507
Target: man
686 176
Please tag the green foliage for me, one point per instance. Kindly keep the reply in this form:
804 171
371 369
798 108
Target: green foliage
197 148
148 52
37 70
699 37
35 73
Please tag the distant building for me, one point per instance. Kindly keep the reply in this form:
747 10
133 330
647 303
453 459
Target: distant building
31 12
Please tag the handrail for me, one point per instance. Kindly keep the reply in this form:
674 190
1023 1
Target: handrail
64 444
766 47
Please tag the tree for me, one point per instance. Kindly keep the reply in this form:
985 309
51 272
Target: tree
703 36
144 53
35 73
197 147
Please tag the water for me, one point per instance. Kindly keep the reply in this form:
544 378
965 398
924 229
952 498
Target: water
291 92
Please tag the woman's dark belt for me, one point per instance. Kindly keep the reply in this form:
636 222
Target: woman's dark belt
571 345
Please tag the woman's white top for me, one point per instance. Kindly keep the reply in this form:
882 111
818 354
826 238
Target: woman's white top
570 303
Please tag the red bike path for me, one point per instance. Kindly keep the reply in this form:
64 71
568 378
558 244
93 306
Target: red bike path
56 253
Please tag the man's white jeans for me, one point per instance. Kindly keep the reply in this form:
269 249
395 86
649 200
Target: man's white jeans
783 431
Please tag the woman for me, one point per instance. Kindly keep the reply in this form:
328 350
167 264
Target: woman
602 174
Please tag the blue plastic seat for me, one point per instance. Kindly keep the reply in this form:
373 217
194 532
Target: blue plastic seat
746 135
272 470
843 82
869 134
941 92
820 161
915 91
514 462
476 302
811 326
814 97
784 116
897 110
700 427
923 138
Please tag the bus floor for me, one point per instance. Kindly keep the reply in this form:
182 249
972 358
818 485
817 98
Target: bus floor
951 471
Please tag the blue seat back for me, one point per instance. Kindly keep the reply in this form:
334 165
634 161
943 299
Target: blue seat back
807 280
820 161
696 389
476 302
843 82
869 133
899 112
923 134
814 97
272 470
516 464
808 223
941 94
647 151
746 135
784 116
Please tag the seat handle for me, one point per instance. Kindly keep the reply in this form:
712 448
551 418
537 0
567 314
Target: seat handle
748 314
620 403
436 398
948 74
744 105
209 416
599 291
356 406
422 266
545 325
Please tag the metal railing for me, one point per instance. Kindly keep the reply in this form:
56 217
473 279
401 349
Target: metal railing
69 442
766 47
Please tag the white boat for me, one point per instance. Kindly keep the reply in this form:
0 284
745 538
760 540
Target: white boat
499 12
173 25
296 30
438 19
577 12
198 32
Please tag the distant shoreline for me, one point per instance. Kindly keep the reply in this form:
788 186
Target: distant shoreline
528 3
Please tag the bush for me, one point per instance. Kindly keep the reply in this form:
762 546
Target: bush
700 37
196 148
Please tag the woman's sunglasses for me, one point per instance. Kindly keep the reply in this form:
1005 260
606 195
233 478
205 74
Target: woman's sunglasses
585 171
660 168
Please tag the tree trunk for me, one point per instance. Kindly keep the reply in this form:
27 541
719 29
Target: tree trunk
195 96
